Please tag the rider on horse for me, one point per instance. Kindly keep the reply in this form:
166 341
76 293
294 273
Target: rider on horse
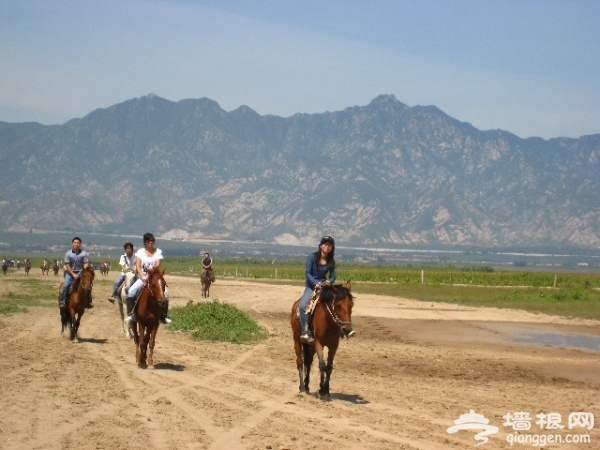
318 264
207 265
127 262
76 260
147 259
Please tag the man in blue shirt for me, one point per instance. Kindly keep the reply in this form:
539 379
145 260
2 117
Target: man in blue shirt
76 260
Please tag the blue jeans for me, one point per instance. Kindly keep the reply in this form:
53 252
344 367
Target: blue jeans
68 282
303 304
135 287
117 283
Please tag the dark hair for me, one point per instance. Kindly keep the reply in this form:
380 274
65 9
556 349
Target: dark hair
331 255
148 237
76 238
128 244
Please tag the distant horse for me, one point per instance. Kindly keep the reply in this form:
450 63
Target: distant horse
125 285
104 268
27 265
332 319
4 267
150 303
55 268
45 268
206 281
77 300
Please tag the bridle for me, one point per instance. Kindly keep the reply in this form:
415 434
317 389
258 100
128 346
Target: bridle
339 322
161 285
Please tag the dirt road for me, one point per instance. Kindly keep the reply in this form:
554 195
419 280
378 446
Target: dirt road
414 369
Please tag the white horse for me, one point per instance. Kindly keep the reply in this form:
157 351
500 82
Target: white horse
121 296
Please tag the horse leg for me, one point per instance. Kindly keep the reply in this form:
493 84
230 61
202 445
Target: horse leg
143 347
326 369
74 323
151 346
308 352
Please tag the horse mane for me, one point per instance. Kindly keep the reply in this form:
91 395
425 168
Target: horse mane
337 292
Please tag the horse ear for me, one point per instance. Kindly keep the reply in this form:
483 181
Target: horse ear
348 285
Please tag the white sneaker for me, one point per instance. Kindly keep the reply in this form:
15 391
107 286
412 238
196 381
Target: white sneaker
350 333
128 319
166 320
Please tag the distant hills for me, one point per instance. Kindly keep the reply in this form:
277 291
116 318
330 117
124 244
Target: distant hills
383 174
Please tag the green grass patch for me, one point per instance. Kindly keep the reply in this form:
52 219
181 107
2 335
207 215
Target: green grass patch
27 293
215 321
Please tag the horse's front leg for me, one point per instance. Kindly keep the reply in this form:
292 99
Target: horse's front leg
140 349
73 322
124 325
322 367
326 369
151 346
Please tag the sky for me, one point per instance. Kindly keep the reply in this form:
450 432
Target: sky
531 67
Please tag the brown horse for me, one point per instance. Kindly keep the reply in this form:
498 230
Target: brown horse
4 267
27 265
104 268
55 268
45 268
150 304
77 300
206 281
331 319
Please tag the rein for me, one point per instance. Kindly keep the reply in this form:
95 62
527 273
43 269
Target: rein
339 322
152 294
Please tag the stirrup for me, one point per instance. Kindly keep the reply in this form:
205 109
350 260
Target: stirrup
350 334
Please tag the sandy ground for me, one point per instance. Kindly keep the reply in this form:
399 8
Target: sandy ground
413 370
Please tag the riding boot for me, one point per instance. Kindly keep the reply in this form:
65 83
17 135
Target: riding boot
63 298
165 315
306 336
90 305
131 310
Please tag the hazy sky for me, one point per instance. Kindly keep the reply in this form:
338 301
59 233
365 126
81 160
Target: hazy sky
528 67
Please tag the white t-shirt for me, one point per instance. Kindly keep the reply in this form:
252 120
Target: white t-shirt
129 263
148 261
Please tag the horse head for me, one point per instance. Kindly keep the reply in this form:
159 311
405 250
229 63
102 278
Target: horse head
157 285
338 301
87 279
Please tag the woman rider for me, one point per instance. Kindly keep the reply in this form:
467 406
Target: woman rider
147 259
318 265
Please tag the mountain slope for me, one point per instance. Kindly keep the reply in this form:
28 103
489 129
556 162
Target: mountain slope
383 173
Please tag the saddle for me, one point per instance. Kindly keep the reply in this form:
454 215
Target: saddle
312 304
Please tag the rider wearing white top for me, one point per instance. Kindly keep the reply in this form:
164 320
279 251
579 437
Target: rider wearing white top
127 262
148 259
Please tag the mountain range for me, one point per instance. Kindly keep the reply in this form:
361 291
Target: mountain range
384 174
